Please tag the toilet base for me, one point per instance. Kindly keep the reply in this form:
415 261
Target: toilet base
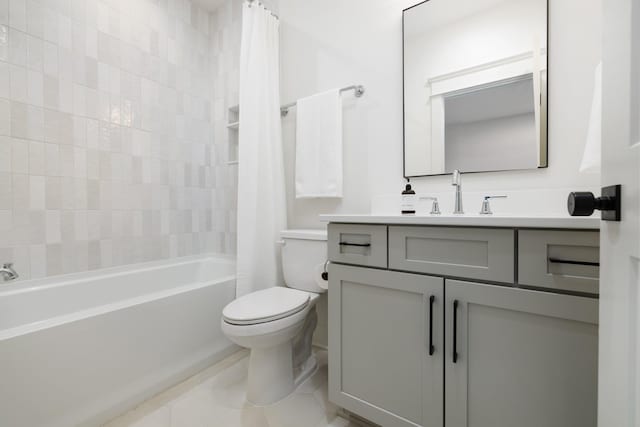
276 371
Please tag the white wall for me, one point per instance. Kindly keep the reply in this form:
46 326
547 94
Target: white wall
332 43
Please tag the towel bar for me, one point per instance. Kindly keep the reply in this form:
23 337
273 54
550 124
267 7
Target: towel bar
359 91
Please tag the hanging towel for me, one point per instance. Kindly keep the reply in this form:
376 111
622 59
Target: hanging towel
319 145
591 157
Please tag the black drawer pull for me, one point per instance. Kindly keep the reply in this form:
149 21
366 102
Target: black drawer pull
455 331
568 261
362 245
432 349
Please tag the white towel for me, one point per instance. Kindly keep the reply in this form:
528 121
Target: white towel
591 157
319 145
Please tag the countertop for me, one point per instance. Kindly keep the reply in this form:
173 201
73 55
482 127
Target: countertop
566 222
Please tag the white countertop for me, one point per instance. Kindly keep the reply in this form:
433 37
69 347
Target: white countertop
591 223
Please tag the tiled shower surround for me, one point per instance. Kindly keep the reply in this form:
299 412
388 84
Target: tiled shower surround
112 132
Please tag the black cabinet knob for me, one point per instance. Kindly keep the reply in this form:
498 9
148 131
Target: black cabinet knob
584 203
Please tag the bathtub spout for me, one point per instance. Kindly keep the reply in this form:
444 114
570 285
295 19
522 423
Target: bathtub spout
8 273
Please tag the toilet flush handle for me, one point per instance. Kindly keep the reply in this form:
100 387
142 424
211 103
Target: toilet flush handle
325 273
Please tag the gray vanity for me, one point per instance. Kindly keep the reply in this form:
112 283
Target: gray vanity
483 322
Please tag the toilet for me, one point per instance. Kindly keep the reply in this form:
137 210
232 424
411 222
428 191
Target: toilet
277 323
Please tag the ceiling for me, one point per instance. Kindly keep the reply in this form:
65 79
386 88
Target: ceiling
209 4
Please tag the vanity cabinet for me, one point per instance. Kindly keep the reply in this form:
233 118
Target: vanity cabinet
386 345
446 335
522 358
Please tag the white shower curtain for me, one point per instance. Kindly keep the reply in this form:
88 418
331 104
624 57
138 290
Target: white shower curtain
262 211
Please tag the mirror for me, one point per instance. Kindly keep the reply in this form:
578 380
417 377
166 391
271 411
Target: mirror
475 86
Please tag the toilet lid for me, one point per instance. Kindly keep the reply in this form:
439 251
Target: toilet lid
265 306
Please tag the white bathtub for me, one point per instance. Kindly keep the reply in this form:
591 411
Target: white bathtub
80 349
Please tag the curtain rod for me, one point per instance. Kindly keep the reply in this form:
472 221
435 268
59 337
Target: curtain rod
260 4
359 91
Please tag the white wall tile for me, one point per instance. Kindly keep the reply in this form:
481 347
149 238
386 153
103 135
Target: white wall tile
50 58
51 89
35 18
53 226
35 88
5 117
50 19
64 32
52 164
81 225
4 42
37 158
106 133
17 47
35 123
38 261
18 83
6 221
35 53
19 156
5 154
5 83
65 92
36 193
53 191
6 191
18 14
20 192
4 12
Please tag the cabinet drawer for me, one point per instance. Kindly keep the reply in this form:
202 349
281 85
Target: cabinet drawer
564 260
358 244
477 253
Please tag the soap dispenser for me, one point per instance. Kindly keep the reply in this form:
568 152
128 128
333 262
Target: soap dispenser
408 204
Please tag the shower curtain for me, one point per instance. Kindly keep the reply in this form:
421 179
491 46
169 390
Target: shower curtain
262 211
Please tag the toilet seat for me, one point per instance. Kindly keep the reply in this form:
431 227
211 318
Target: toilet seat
265 306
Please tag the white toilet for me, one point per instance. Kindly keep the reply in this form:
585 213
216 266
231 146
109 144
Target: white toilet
277 323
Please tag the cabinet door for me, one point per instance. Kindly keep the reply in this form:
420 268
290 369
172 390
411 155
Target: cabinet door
381 328
521 358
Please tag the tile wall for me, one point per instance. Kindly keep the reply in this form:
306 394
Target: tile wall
112 137
226 31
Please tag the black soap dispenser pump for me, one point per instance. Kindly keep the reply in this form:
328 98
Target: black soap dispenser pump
408 203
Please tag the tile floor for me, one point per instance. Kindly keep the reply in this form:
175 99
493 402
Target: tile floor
216 397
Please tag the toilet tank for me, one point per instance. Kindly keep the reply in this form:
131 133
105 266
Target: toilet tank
304 253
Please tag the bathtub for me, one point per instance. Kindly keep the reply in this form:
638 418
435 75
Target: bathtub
80 349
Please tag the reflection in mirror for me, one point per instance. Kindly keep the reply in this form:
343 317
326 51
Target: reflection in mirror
475 86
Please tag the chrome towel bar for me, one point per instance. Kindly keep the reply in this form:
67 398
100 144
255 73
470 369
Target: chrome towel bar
359 91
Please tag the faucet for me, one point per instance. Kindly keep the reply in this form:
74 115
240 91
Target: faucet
8 273
456 182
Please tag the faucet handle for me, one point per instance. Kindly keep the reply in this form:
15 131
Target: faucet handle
486 207
455 177
435 207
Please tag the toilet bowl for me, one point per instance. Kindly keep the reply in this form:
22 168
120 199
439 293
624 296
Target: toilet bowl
277 323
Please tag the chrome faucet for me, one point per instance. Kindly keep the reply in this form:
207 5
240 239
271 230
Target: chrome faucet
457 182
8 273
